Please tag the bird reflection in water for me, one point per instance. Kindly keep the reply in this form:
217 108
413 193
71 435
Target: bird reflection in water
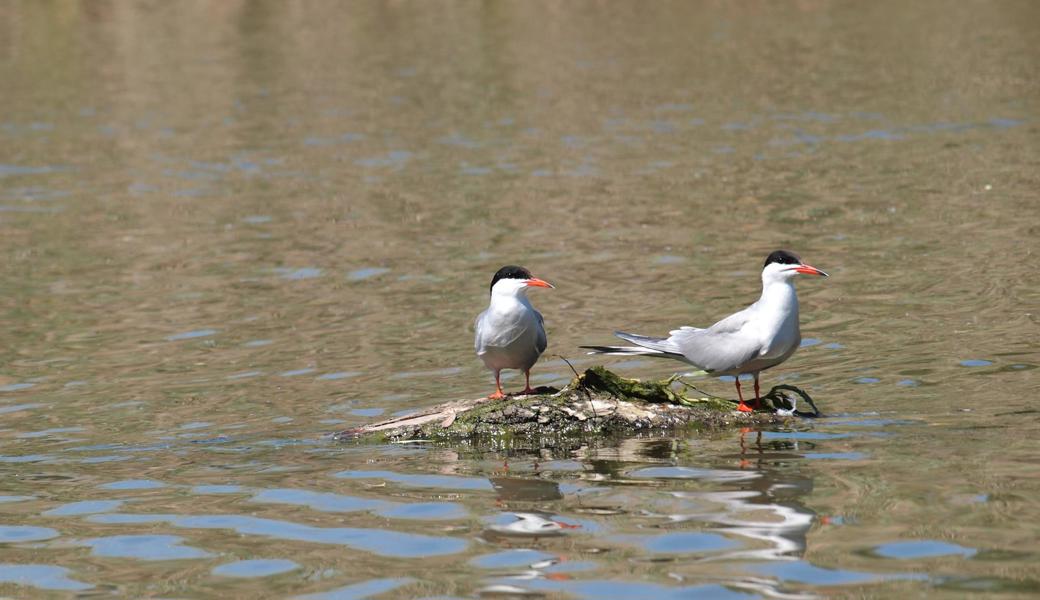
529 523
764 507
756 501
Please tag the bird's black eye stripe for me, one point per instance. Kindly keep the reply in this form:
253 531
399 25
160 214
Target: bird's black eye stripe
510 272
783 257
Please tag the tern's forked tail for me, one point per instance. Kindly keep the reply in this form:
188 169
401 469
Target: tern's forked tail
623 350
646 346
632 351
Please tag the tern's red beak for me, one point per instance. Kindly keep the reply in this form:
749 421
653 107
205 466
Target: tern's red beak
809 270
535 282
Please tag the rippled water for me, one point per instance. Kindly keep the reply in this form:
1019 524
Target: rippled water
229 229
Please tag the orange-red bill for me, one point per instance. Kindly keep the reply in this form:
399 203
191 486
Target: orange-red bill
809 270
535 282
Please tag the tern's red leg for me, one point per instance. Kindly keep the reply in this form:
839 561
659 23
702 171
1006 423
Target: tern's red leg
740 405
498 388
758 395
527 386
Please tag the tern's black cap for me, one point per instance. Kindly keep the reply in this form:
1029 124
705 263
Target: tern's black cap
783 257
510 272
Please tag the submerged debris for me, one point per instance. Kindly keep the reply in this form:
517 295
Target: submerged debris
597 401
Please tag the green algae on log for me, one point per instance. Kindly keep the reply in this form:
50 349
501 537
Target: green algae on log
597 401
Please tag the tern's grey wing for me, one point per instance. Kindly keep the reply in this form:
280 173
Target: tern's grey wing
734 322
542 342
478 338
500 330
646 342
716 351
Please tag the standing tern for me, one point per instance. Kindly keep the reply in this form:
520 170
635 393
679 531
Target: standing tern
510 333
761 336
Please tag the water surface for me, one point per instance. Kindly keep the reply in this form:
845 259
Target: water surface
228 229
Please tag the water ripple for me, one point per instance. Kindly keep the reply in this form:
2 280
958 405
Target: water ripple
45 577
13 534
377 541
357 591
144 547
83 507
922 549
450 482
256 568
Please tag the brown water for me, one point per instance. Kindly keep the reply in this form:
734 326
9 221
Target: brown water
228 229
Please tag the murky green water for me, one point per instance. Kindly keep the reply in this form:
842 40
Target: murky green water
228 229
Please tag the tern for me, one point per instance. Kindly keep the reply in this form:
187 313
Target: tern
761 336
511 333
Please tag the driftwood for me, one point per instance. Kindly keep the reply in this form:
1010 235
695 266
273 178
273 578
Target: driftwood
597 401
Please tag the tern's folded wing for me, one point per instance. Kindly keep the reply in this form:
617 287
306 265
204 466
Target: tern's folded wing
497 330
542 342
733 323
478 337
714 351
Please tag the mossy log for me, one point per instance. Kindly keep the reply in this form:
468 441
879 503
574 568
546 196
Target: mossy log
597 401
